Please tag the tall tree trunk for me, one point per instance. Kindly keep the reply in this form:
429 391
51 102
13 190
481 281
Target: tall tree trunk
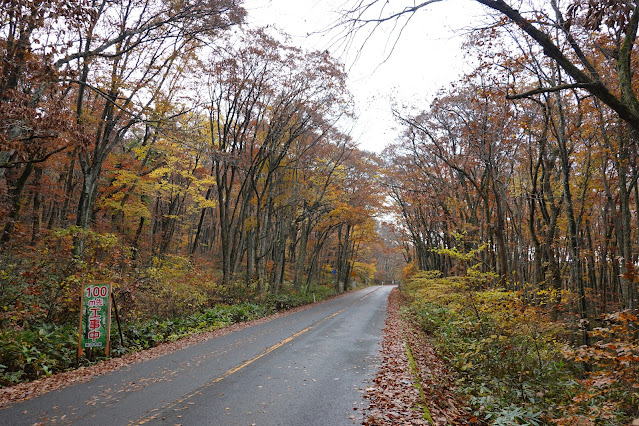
198 232
344 235
37 203
301 254
68 189
250 256
138 232
15 202
627 267
88 195
573 231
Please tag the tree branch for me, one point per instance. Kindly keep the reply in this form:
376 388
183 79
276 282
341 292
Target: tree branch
624 66
539 90
551 50
10 164
406 10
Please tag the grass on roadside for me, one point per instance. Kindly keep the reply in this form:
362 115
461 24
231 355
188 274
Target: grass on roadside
511 365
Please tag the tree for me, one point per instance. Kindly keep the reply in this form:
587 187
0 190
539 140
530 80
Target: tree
354 210
563 35
265 98
125 57
36 119
471 132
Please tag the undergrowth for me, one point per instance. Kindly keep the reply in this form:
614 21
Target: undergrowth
511 364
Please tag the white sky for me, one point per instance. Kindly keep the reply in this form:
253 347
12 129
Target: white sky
427 57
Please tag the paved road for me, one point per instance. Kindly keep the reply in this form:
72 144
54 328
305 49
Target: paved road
307 368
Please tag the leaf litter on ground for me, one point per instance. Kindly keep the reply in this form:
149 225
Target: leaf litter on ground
394 398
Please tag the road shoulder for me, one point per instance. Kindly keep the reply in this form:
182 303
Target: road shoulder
397 395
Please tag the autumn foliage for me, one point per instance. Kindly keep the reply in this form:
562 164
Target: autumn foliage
193 163
520 179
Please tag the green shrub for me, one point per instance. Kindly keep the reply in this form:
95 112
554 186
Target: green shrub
149 333
289 298
508 361
37 352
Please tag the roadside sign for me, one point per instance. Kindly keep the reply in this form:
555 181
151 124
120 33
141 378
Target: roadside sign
95 317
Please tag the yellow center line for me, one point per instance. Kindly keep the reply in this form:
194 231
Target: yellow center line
247 363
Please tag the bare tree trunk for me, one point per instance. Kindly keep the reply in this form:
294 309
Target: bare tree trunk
573 231
37 203
198 233
301 254
15 202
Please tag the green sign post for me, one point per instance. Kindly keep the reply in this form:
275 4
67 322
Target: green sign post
95 317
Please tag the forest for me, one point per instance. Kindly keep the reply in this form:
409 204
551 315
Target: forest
196 163
191 161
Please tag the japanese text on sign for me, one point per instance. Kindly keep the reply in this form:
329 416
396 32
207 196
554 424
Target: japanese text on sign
95 317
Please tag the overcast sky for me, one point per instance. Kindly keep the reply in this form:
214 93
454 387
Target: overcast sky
427 57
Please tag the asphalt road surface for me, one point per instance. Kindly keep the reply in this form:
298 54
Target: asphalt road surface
306 368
